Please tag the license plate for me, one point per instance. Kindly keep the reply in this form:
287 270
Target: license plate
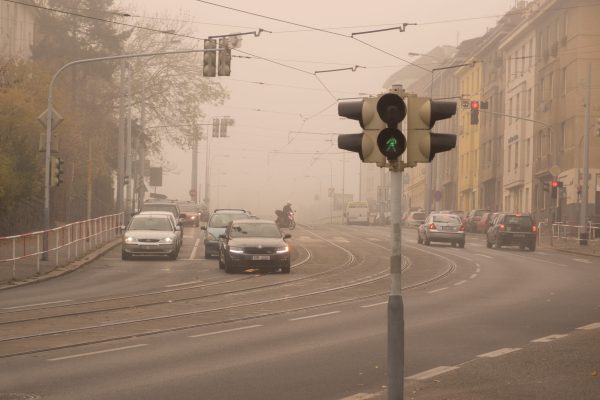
149 246
261 258
447 228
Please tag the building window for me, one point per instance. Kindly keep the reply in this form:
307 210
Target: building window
509 158
528 155
510 109
529 99
516 156
562 136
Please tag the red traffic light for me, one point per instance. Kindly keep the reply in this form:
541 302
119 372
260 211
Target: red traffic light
474 105
554 184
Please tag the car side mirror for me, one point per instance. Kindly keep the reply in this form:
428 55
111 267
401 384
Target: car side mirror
287 236
203 228
222 236
182 215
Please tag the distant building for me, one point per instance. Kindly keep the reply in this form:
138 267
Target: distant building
17 26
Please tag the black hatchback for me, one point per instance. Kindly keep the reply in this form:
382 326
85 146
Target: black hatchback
512 230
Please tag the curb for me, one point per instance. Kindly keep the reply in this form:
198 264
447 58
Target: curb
65 269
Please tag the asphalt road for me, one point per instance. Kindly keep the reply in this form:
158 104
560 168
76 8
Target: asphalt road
184 329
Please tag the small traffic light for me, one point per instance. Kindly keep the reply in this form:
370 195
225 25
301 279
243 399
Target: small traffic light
215 130
224 57
209 66
126 180
546 186
56 171
554 185
474 112
379 117
423 113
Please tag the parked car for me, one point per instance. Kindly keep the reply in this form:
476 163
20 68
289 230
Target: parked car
446 228
473 218
254 243
217 223
484 222
415 219
150 235
512 229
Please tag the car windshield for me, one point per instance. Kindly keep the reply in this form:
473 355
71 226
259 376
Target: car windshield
150 224
221 220
266 230
446 218
160 207
522 221
189 208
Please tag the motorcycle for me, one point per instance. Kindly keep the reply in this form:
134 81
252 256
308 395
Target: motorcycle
285 221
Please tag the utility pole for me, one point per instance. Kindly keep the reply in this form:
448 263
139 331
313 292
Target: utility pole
194 184
142 150
128 152
121 140
207 173
586 161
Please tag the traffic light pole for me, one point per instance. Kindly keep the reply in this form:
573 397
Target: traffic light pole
395 302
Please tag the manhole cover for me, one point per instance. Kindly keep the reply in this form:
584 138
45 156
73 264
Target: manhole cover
19 396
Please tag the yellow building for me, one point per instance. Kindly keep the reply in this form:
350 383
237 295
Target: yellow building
469 84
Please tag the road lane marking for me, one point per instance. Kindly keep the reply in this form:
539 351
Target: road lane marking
37 304
582 260
459 283
183 283
195 249
374 239
595 325
484 255
500 352
315 316
360 396
430 373
437 290
374 305
548 338
226 331
473 276
97 352
340 239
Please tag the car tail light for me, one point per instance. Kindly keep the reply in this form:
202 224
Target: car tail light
432 226
502 228
533 228
462 228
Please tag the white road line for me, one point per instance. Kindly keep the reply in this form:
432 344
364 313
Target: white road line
37 304
374 305
195 249
225 331
484 255
500 352
595 325
473 276
437 290
340 239
374 239
582 260
431 373
360 396
548 338
97 352
459 283
183 283
314 316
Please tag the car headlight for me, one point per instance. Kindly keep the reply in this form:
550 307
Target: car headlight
129 239
281 250
168 240
193 217
236 250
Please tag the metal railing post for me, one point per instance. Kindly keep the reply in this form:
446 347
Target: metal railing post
14 256
37 252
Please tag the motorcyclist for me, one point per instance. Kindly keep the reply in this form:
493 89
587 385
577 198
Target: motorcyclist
287 209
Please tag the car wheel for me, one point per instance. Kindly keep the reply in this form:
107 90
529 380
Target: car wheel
426 241
221 263
207 255
498 245
532 247
461 244
419 240
285 269
488 244
521 247
125 256
228 268
173 255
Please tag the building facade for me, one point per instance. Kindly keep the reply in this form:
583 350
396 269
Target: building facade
17 27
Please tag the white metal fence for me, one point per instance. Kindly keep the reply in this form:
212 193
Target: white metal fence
20 255
575 232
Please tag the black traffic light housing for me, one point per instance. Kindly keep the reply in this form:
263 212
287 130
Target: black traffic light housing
209 61
474 112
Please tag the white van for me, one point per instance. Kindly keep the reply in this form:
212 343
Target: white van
357 212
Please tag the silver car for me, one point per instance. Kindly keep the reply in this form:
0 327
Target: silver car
150 235
442 228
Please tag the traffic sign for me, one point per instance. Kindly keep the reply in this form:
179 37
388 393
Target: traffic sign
56 118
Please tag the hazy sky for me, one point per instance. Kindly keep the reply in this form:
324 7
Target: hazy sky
281 93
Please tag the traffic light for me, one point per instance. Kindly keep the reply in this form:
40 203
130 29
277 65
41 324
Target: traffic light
379 117
423 145
56 171
215 130
126 180
224 57
209 66
554 185
546 186
474 112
